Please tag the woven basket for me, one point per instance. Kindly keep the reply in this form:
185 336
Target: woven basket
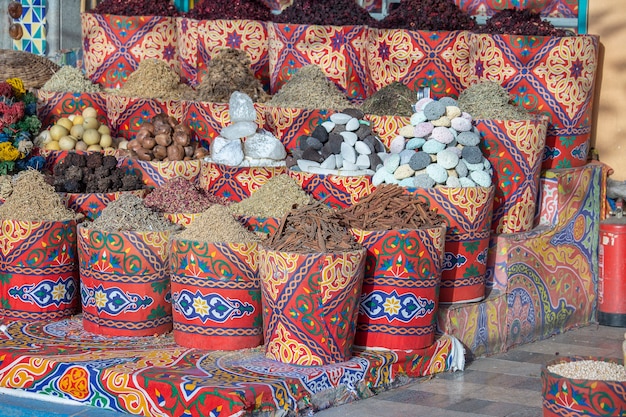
34 70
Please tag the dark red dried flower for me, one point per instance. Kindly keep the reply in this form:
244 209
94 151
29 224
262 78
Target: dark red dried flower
520 22
325 13
430 15
231 10
136 8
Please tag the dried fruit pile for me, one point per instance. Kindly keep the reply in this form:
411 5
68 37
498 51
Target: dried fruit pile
93 173
313 228
136 8
390 207
231 10
179 195
327 13
520 22
434 15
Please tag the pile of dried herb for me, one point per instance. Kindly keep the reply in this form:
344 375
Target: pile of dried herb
394 99
179 195
314 228
71 80
33 199
275 198
129 213
489 100
227 72
217 224
309 88
389 207
154 78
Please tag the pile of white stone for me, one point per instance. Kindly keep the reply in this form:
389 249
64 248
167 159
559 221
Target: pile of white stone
243 143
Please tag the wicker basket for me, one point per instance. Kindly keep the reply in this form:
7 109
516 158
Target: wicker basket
34 70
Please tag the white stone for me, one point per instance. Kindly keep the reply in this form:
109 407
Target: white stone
340 118
264 145
323 171
362 148
392 163
397 144
379 177
348 153
239 130
328 125
241 108
351 166
353 124
363 161
305 164
231 153
218 143
329 163
349 137
354 173
339 160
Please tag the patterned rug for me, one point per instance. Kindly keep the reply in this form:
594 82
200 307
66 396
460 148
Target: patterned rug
152 376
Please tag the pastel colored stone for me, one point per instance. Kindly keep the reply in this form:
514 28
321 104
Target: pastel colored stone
443 121
460 124
472 154
453 182
433 146
421 103
340 118
453 131
407 131
392 163
437 173
423 181
467 182
422 130
447 159
379 177
397 144
467 116
434 110
405 156
442 134
448 101
452 112
418 117
349 137
407 182
419 160
403 171
415 143
468 138
481 178
457 150
475 167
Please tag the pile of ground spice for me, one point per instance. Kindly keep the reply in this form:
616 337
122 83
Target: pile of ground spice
227 72
129 213
309 88
154 78
179 195
217 224
33 199
231 10
314 228
275 198
489 100
325 13
389 207
69 79
394 99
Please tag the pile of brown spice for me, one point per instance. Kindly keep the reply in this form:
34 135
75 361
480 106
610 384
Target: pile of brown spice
275 198
227 72
217 224
389 207
314 228
129 213
394 99
154 78
489 100
179 195
309 88
33 199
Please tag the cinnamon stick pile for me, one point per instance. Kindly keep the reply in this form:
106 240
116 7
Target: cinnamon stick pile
388 207
312 228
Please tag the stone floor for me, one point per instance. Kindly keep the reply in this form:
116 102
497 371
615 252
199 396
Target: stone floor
504 385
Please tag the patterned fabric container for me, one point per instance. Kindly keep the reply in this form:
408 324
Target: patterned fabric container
563 396
216 295
92 204
125 282
156 173
310 305
39 270
400 296
52 105
467 213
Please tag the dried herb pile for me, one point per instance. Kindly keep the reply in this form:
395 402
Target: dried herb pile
154 78
309 88
489 100
136 8
275 198
230 10
519 22
6 186
313 228
327 13
394 99
435 15
217 224
93 172
179 195
129 213
70 79
389 207
33 199
227 72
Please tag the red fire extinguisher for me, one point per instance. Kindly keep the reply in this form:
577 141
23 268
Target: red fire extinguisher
612 270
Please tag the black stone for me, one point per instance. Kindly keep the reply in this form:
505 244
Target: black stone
312 155
363 131
314 143
320 133
356 113
334 143
375 161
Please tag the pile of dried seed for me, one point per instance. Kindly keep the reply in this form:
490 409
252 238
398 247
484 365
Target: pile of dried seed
129 213
154 78
489 100
313 228
590 370
217 224
179 195
394 99
275 198
33 199
309 88
6 186
390 207
227 72
70 79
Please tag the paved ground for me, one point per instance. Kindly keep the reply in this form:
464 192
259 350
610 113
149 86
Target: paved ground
504 385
